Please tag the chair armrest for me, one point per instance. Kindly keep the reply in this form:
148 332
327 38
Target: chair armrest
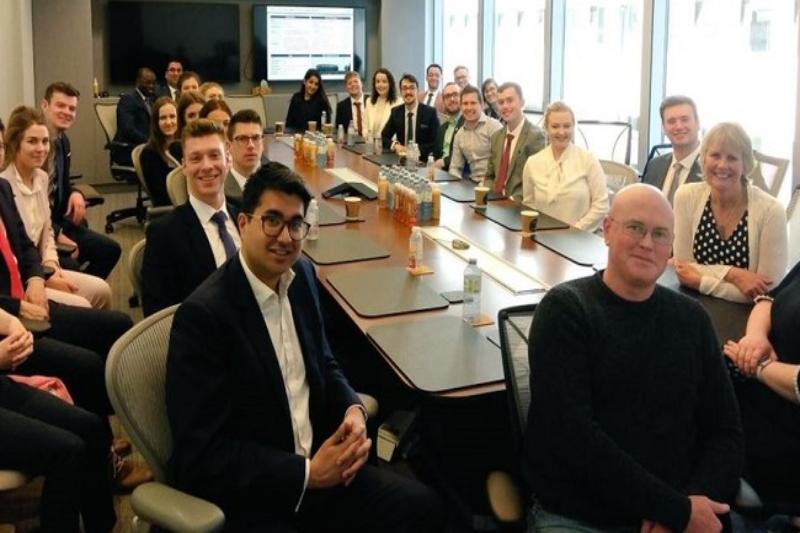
747 498
504 498
65 249
154 212
89 193
174 510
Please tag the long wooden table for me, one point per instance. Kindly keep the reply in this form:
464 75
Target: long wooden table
380 226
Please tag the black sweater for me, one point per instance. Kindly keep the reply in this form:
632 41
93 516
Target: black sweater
631 407
301 111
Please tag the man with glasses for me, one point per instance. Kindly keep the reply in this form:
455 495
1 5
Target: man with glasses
171 75
246 146
633 425
186 245
412 121
450 120
264 423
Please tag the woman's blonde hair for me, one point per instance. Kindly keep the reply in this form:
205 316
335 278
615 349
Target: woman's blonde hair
731 136
556 107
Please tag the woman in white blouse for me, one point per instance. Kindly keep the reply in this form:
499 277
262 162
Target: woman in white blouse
563 180
381 101
730 237
27 147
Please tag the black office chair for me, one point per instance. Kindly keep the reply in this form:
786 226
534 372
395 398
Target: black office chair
656 151
506 493
106 112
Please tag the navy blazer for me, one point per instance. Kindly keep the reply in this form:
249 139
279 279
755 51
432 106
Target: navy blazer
226 400
344 114
133 126
177 258
63 185
29 262
426 128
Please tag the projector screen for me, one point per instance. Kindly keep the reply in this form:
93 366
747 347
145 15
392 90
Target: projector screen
330 39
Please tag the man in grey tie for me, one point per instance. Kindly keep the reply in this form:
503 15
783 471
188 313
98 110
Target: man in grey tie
681 126
184 247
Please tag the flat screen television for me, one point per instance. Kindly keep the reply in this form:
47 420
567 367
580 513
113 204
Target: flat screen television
205 37
290 39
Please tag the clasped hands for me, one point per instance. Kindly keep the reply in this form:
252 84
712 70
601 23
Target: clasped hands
16 347
343 454
751 284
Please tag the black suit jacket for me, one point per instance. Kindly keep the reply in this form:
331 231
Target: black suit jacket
344 114
426 128
656 171
63 185
177 258
133 126
29 262
226 402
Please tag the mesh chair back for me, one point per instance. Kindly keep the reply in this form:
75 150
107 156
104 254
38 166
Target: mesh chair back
514 327
618 175
106 112
135 259
237 102
606 139
177 189
136 157
135 375
769 172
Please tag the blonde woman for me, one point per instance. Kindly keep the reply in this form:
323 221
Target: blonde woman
730 237
564 180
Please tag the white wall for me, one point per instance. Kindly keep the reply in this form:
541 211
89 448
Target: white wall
16 55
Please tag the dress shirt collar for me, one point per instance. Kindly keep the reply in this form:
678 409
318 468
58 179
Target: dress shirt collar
240 179
406 110
204 211
518 130
261 290
141 95
23 187
478 123
687 161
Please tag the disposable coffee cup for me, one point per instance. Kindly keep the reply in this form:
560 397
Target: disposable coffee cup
529 219
278 128
312 125
352 205
481 193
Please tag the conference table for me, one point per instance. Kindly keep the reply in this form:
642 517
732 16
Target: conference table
379 227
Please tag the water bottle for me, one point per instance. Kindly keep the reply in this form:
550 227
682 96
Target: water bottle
378 144
415 248
324 120
427 200
368 146
340 135
351 134
472 292
411 157
429 167
312 217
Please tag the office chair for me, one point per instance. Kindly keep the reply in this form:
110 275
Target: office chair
135 260
135 376
769 172
603 136
177 188
106 112
151 211
237 102
618 175
656 151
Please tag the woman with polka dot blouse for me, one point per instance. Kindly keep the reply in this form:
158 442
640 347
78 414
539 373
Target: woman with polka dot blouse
730 237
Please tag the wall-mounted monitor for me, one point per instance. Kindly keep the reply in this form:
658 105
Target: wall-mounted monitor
205 37
290 39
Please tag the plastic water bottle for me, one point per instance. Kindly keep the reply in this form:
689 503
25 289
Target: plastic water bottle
427 200
368 146
312 217
340 135
472 292
324 120
429 167
378 144
415 248
351 134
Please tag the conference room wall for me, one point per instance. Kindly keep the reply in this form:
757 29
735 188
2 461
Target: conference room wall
16 56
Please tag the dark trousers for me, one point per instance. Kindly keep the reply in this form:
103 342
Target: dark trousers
99 251
40 434
376 500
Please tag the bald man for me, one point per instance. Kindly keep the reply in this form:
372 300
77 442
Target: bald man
633 423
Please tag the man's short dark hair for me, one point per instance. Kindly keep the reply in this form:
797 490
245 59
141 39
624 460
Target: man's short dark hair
511 85
471 89
433 65
243 116
677 99
408 77
60 87
201 128
273 176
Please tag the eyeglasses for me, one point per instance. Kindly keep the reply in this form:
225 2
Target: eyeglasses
638 231
244 140
272 224
451 95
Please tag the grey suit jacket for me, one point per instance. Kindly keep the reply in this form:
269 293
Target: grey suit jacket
233 192
531 140
656 172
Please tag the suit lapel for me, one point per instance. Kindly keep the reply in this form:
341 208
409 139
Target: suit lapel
198 242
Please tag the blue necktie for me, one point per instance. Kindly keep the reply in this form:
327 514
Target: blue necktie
219 219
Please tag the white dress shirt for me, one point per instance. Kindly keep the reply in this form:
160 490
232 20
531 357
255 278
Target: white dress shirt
572 189
276 310
240 179
377 114
204 213
686 167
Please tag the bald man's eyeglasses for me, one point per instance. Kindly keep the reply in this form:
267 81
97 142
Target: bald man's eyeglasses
638 231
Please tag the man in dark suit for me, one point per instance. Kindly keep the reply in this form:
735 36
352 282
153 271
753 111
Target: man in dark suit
449 122
681 125
352 107
433 96
246 147
171 77
186 245
67 204
133 117
263 421
422 118
512 145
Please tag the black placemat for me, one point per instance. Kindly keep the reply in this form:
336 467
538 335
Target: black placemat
439 175
359 148
581 247
376 292
466 359
328 216
509 218
343 247
464 191
385 158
